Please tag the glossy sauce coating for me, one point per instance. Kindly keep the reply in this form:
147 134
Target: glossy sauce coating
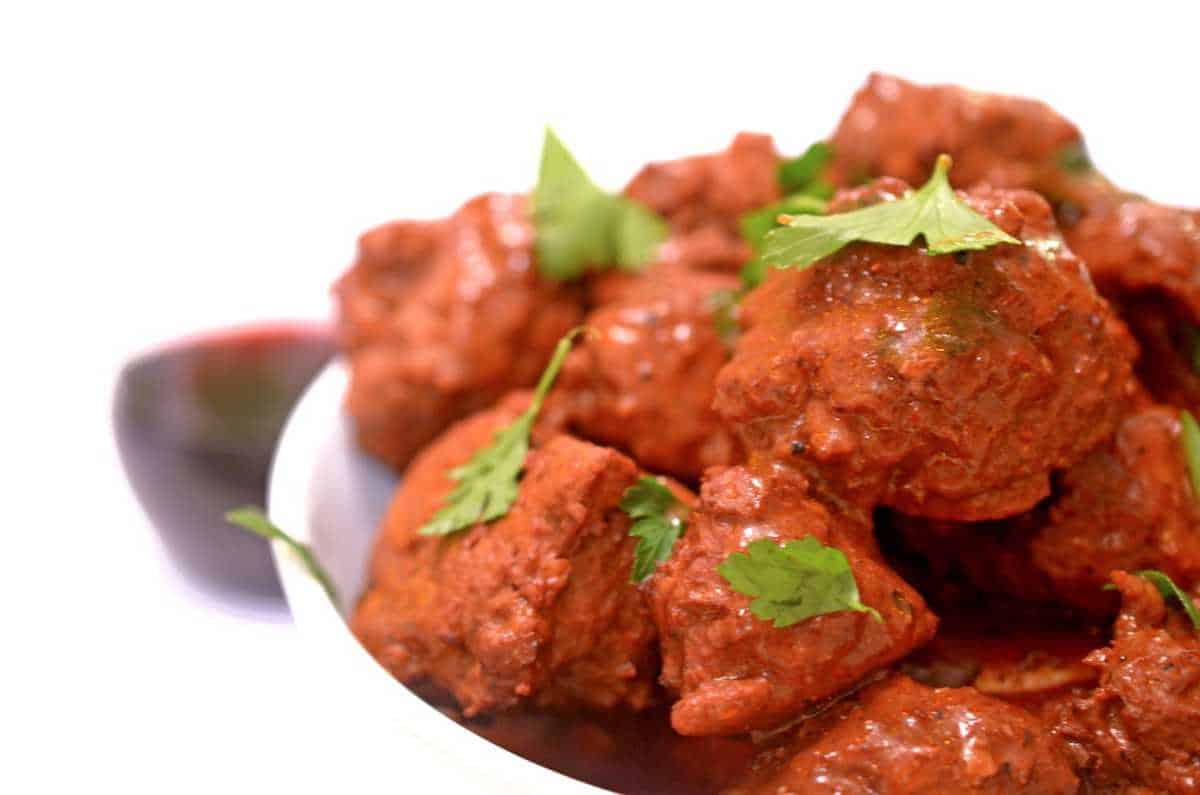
1127 506
642 378
948 387
536 607
895 128
897 737
1141 726
703 198
735 672
984 404
1132 245
440 319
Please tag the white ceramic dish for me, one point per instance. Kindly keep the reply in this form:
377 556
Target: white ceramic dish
328 494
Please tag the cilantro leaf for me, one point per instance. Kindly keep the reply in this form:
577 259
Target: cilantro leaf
803 174
251 518
793 582
487 484
1189 437
658 520
755 225
1193 345
1167 587
723 305
933 212
579 226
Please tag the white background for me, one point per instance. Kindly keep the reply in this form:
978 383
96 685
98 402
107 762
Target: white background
167 167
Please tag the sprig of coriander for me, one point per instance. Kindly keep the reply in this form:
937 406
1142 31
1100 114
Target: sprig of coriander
1167 587
658 522
252 518
794 582
1189 439
755 225
487 483
803 174
801 179
579 226
933 212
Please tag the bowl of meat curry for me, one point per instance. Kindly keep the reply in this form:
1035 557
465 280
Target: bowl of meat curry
869 468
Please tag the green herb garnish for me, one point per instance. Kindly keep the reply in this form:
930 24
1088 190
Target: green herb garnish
756 224
793 582
803 174
1167 587
658 521
1193 343
579 226
487 484
723 305
933 212
248 517
1189 437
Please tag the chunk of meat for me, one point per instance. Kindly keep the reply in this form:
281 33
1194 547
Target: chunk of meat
947 386
1128 505
1168 340
894 128
535 607
703 198
992 557
897 737
440 319
643 379
1141 725
735 672
1132 246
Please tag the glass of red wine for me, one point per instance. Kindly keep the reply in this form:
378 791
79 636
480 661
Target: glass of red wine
196 422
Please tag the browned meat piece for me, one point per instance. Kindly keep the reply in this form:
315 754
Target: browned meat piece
897 737
1146 259
947 387
894 128
992 557
703 197
735 672
1169 341
535 607
441 319
1141 725
1132 245
1128 506
643 379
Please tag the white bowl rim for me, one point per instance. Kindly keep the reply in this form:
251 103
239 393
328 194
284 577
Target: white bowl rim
289 505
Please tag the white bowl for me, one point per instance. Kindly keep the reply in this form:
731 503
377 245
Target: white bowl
328 494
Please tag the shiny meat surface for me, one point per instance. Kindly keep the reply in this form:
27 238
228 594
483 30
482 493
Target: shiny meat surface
1141 725
1168 340
947 387
897 737
703 197
1127 506
536 607
735 672
643 379
441 319
894 128
1132 245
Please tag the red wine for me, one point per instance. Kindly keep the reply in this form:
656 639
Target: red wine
196 423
